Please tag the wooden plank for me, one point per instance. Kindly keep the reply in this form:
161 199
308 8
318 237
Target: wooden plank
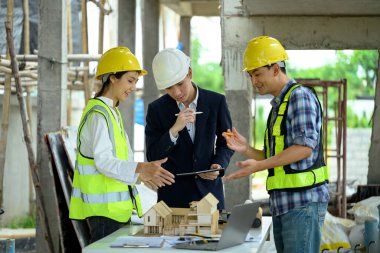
69 142
62 166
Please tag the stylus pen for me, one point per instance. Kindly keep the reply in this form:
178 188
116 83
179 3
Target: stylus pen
193 113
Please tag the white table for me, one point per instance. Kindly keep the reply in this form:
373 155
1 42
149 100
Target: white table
103 245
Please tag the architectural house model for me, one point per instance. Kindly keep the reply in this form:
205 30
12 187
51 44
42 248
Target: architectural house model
201 217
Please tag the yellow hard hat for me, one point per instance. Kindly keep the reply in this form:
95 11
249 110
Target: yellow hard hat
262 51
118 59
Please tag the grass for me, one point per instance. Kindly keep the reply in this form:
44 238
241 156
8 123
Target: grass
28 221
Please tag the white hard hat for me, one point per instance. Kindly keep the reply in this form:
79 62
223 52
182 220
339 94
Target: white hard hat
170 66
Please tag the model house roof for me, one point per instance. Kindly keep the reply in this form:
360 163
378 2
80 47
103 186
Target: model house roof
162 209
180 211
209 198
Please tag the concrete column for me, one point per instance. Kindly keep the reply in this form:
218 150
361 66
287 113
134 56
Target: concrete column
150 25
185 34
374 151
52 96
239 97
127 38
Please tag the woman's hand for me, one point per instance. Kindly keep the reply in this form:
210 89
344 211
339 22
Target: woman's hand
153 175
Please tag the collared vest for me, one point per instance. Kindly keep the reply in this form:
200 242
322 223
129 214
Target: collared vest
94 194
283 177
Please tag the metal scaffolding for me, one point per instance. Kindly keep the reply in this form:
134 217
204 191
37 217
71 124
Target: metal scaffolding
337 115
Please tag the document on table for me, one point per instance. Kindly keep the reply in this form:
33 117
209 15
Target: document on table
137 242
251 238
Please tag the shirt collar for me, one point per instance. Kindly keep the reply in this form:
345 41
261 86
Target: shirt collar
194 102
275 102
107 101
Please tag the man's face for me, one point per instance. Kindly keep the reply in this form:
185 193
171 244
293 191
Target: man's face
262 79
182 92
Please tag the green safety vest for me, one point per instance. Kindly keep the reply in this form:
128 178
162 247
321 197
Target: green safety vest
283 177
93 193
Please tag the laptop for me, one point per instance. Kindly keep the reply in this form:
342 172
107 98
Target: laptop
234 233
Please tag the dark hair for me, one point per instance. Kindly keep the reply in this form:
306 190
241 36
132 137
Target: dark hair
106 83
283 69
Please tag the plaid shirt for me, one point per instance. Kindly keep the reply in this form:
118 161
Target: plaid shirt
303 124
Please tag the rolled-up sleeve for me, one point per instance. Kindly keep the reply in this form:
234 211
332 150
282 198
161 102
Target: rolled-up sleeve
303 116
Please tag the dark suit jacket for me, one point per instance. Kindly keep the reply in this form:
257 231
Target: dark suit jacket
209 147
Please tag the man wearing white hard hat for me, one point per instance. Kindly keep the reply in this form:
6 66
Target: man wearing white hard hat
186 125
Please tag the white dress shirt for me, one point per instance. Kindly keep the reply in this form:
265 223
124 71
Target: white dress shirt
189 126
96 143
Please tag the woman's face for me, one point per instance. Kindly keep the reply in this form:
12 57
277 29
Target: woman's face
125 85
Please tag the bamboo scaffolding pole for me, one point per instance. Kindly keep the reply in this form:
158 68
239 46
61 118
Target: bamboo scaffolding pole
26 27
28 103
101 27
69 29
101 7
71 75
34 58
29 108
27 137
6 107
87 88
77 85
70 51
26 73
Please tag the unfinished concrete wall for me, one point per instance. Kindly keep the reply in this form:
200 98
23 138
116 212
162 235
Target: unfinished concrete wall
52 97
297 24
150 28
374 157
185 34
16 170
127 38
239 96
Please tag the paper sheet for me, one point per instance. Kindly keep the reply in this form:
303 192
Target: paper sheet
137 242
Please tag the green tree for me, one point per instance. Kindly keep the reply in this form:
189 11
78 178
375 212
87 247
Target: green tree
209 75
358 67
260 126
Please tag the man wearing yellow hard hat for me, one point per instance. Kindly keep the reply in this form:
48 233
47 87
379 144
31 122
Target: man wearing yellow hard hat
293 150
105 173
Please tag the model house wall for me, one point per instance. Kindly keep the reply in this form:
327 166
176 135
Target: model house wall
201 217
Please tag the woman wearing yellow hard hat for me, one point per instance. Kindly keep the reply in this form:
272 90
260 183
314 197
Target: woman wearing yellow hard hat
293 150
105 174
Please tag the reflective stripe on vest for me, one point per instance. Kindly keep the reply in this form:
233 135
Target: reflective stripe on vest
283 177
93 193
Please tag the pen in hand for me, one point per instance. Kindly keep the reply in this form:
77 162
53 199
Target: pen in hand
193 113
